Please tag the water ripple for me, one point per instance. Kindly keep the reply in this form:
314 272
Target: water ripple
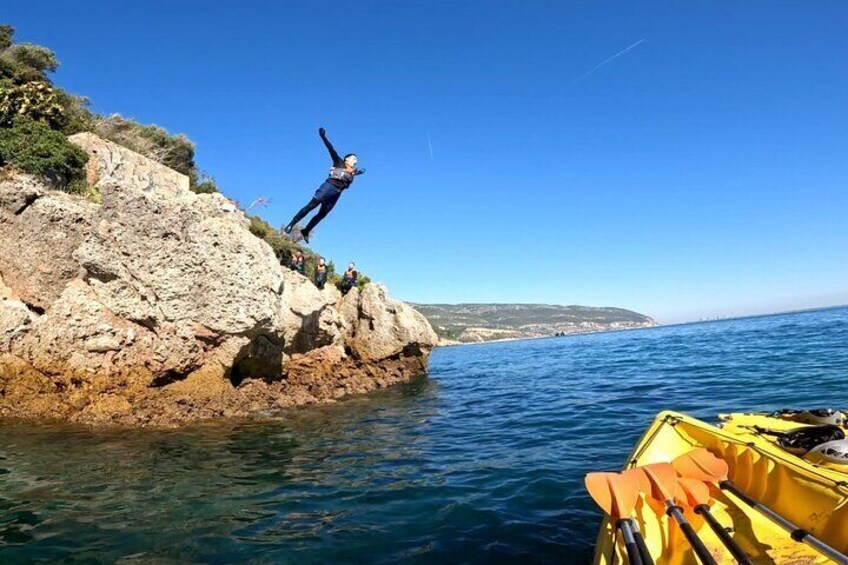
483 462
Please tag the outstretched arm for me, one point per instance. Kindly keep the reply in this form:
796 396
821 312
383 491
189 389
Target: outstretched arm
333 155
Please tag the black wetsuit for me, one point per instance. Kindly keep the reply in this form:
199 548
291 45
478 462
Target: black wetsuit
328 193
349 280
320 276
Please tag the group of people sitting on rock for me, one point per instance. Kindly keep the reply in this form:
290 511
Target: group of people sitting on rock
298 264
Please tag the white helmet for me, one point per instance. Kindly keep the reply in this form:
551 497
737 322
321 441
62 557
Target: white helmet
816 417
831 452
821 416
351 160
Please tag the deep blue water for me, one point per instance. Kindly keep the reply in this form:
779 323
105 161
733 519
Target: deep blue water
482 462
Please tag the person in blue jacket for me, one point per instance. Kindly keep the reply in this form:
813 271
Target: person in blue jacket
342 174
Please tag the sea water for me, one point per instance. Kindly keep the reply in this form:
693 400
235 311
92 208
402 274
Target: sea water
482 462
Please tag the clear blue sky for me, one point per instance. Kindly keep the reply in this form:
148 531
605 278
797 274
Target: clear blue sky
702 172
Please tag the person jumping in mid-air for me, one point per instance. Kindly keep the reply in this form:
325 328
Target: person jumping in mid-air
341 176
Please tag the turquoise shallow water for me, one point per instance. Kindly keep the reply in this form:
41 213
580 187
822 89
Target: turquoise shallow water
482 462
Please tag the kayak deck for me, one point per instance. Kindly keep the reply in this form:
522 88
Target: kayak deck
814 498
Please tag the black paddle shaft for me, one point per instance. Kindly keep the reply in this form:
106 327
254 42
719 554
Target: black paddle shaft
644 552
698 546
798 534
728 541
629 542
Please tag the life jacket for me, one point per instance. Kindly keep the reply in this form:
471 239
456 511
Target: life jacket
341 174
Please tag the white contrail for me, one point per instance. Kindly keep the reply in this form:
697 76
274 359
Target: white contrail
606 61
430 145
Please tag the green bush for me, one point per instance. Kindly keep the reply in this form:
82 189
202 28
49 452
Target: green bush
205 187
23 62
203 184
87 191
446 333
25 90
32 147
174 151
284 248
35 117
78 117
36 101
362 280
7 37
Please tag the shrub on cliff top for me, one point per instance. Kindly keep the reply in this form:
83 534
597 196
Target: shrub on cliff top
23 62
32 147
204 184
78 118
36 101
284 248
174 151
33 139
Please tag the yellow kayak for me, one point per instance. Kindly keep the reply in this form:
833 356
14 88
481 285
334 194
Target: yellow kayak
812 494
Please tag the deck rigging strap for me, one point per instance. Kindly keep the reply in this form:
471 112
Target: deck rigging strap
798 534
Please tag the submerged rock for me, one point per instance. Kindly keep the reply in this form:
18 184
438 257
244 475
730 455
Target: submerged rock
160 307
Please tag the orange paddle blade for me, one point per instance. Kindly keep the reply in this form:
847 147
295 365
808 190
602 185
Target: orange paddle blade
614 493
693 492
702 465
641 479
663 480
638 474
599 489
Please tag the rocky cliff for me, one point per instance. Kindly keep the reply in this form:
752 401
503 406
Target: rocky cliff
160 307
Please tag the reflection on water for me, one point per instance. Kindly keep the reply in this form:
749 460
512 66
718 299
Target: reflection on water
482 462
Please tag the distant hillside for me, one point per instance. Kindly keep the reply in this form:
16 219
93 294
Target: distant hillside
484 322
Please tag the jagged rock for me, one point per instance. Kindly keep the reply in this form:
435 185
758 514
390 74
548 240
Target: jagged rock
308 315
68 340
349 309
110 164
5 291
39 230
215 378
19 191
179 260
160 307
15 320
387 327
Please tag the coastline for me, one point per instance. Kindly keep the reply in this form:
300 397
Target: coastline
659 325
529 338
